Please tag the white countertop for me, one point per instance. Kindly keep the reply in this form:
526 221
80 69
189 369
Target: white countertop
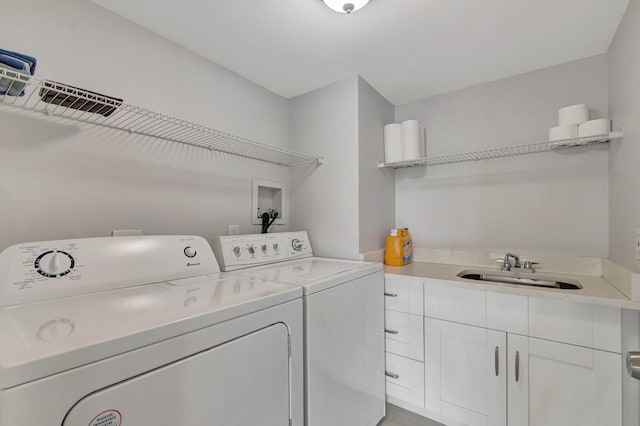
596 290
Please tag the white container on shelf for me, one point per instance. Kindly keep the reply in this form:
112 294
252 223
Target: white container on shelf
392 143
595 128
561 133
413 140
574 114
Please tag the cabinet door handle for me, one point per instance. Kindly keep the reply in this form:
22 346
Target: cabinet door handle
388 331
392 375
517 366
390 294
496 360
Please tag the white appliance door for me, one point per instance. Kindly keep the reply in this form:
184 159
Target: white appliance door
240 383
344 342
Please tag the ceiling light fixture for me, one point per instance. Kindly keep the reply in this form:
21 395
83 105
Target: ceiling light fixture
345 6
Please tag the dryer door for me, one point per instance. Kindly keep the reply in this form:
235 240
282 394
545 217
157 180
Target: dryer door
242 382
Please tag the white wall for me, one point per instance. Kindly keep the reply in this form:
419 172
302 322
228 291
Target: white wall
324 199
61 181
624 158
545 202
376 186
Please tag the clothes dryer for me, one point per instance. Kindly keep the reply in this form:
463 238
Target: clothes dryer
144 331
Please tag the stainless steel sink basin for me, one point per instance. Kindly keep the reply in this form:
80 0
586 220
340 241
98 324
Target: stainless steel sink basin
520 278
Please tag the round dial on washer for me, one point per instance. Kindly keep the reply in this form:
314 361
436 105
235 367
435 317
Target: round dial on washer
296 244
251 249
276 247
190 251
264 248
236 251
54 264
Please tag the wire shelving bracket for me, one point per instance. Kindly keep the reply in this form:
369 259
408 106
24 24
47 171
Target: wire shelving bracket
83 106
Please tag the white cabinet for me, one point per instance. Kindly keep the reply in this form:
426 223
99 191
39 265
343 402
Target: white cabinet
465 373
404 339
494 359
471 373
563 384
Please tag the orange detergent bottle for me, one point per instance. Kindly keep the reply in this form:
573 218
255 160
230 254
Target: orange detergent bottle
399 250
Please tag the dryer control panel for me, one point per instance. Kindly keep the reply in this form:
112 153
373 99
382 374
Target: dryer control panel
244 251
36 271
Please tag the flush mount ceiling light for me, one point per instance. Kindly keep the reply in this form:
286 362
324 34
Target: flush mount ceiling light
345 6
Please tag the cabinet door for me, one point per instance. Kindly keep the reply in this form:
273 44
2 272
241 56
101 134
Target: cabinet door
465 373
566 385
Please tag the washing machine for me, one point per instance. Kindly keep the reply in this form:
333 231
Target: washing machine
141 331
343 322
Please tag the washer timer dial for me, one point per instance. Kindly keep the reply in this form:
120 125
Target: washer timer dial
54 264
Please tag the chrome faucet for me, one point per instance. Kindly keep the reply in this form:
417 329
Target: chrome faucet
529 266
506 263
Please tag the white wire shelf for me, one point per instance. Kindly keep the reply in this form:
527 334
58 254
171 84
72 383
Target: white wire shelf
511 151
68 102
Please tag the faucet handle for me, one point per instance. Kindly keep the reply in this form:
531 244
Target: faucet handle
529 264
505 265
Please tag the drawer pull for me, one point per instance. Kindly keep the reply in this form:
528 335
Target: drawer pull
392 375
386 330
517 366
390 294
496 360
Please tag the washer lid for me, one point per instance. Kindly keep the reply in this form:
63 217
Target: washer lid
314 274
44 338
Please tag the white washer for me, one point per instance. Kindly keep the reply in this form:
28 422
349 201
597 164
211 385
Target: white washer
144 331
344 322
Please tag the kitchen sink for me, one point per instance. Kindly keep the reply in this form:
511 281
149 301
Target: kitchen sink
520 278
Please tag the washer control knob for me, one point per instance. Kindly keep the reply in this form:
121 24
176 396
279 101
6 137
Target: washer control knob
236 251
276 247
252 250
54 264
264 248
296 244
190 251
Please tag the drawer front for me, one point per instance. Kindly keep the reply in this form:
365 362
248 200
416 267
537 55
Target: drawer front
508 312
403 294
404 334
405 379
447 302
592 326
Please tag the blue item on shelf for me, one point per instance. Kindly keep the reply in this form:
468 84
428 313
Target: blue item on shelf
25 58
14 82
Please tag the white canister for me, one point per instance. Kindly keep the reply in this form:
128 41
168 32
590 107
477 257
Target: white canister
562 133
574 114
392 143
600 127
413 140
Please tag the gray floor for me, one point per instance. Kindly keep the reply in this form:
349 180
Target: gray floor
398 417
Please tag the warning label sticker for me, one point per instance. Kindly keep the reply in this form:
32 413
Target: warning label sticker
107 418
